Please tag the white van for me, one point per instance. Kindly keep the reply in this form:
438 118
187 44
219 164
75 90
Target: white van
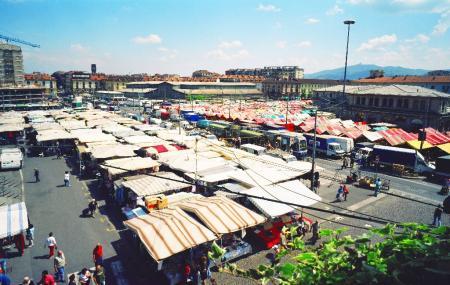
11 158
254 149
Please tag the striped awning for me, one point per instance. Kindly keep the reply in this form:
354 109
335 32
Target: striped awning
168 232
13 219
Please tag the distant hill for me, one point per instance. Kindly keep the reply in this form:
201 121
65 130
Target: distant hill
362 70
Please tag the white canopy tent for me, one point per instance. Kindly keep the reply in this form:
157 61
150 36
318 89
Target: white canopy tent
13 219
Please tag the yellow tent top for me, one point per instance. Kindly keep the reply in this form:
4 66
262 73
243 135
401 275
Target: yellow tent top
415 144
445 147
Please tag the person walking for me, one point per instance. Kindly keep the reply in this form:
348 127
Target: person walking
30 235
36 175
315 232
99 275
50 242
339 193
4 279
59 264
66 179
346 192
437 216
93 206
19 240
46 279
377 186
97 254
27 281
72 280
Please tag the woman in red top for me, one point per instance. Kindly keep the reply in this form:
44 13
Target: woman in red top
97 255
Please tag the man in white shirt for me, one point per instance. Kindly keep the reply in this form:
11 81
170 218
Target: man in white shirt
66 179
50 242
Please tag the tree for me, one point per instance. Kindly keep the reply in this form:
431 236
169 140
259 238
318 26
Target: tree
406 254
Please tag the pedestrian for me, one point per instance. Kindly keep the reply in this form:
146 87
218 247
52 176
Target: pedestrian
437 216
377 186
283 238
339 193
27 281
346 191
30 235
72 280
315 232
59 264
92 207
344 162
204 269
50 242
66 179
99 275
47 279
97 254
36 175
19 240
187 273
85 277
4 279
352 161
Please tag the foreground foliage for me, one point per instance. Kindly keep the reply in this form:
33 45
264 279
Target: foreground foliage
406 254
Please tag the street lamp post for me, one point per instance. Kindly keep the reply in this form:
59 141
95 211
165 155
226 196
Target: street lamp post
348 23
313 176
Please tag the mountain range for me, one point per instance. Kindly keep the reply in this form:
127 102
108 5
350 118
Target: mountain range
362 71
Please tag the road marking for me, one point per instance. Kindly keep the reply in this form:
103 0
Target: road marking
22 194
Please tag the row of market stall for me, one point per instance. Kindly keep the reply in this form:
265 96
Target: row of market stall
178 193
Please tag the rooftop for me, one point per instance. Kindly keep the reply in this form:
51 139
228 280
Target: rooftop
393 90
407 79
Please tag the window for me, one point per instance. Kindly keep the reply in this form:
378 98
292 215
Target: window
376 101
384 102
422 105
370 101
391 102
399 103
406 103
363 101
358 100
415 105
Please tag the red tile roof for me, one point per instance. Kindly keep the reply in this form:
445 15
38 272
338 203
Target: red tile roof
406 79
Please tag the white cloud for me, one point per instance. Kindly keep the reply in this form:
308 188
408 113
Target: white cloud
78 47
230 44
278 25
443 24
227 55
312 21
281 44
357 2
420 38
304 44
167 54
335 10
378 43
268 8
149 39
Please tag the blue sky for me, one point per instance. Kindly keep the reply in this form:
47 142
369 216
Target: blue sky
180 36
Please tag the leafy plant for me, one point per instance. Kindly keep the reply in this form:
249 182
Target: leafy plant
406 254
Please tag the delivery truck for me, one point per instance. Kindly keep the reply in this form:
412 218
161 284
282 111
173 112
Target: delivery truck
411 159
442 170
325 145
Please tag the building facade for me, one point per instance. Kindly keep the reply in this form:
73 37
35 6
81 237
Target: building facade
273 72
397 104
439 83
204 74
165 90
11 65
42 80
20 98
294 89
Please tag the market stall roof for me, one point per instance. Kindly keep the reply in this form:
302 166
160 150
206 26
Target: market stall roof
110 151
144 140
146 127
15 127
52 135
415 144
11 120
91 135
46 126
292 191
122 165
153 185
114 127
72 124
169 231
435 137
372 136
13 219
221 214
445 147
187 162
127 133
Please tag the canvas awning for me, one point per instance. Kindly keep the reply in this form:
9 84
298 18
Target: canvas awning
12 127
445 147
13 219
122 165
110 151
153 185
292 191
221 214
415 144
141 140
168 232
372 136
52 135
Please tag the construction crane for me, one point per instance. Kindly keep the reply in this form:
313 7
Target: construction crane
10 39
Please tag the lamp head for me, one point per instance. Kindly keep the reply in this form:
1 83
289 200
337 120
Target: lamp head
349 22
